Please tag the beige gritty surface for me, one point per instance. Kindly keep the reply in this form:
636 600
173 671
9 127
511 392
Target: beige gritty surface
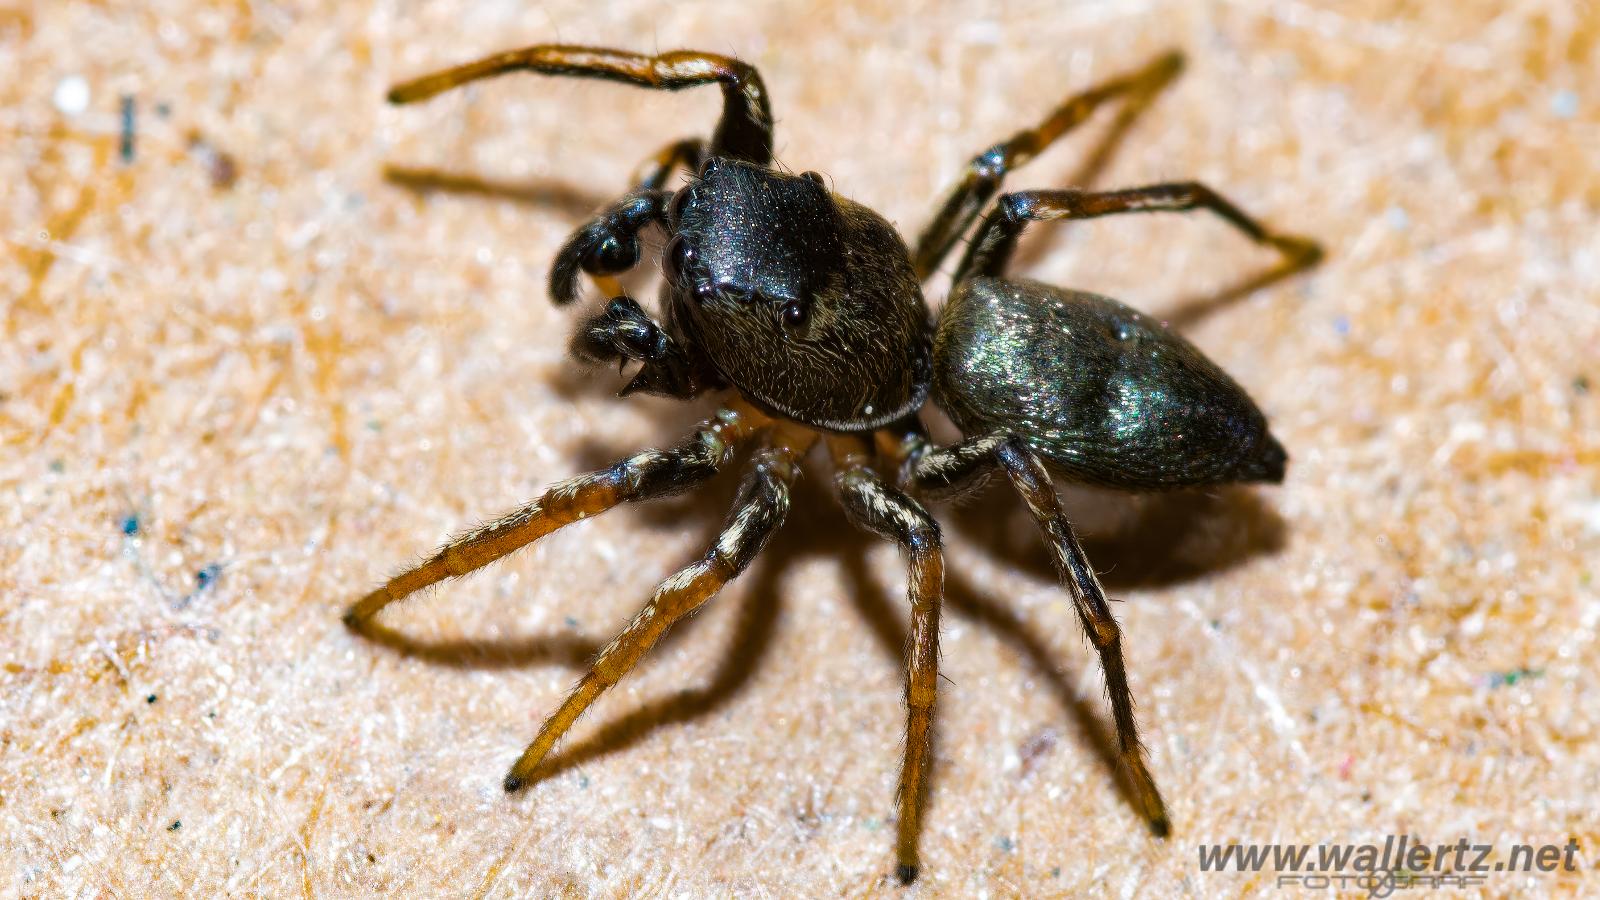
291 379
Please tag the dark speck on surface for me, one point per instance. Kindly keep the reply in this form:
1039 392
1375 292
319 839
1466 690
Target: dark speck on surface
1506 679
129 123
176 824
1033 749
152 698
219 166
207 575
203 579
130 524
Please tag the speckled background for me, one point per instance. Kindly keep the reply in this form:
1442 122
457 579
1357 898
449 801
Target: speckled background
244 375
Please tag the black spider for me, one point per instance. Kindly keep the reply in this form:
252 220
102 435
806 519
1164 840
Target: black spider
804 310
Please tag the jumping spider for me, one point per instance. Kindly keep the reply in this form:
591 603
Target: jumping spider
804 310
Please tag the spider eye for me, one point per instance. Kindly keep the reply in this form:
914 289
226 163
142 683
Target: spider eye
677 259
675 208
813 177
795 315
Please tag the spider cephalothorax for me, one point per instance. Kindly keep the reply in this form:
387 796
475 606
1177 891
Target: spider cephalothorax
804 310
804 301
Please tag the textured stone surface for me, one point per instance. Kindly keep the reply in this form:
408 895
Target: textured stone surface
230 401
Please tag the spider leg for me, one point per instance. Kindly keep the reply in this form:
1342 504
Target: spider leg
610 244
950 472
652 175
607 245
997 236
759 509
957 468
988 169
1032 481
643 476
623 332
744 131
875 506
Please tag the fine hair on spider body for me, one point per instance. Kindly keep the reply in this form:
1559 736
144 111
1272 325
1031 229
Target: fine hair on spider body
802 312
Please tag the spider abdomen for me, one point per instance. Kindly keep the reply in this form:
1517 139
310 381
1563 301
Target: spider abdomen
1106 394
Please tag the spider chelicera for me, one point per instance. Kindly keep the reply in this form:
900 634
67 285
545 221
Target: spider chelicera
804 311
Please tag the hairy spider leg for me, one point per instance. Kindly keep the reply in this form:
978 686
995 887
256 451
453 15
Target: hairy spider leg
996 238
623 332
873 505
743 132
653 173
963 467
1031 480
650 176
947 473
988 169
757 512
607 245
643 476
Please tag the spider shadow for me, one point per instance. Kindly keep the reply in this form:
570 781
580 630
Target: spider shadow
813 531
1187 312
1156 540
888 626
572 651
753 631
695 511
1038 243
573 202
